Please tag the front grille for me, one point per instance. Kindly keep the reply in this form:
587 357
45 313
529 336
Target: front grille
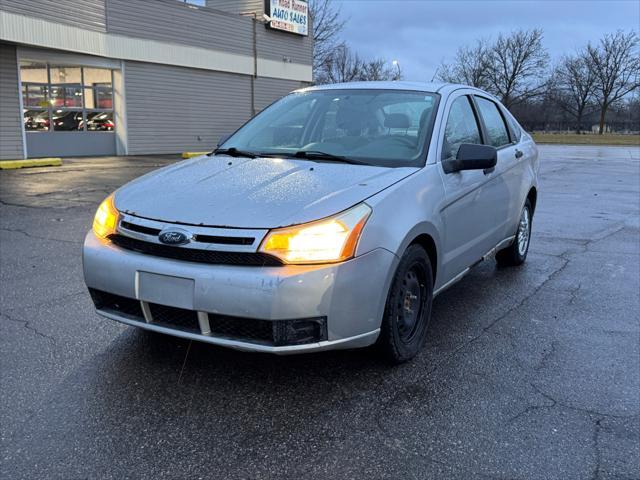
195 255
224 240
241 328
173 317
139 228
110 302
134 227
250 330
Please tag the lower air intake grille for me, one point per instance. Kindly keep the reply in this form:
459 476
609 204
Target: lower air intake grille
241 328
250 330
129 307
173 317
195 255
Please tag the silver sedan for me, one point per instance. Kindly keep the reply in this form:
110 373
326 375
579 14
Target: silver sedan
330 220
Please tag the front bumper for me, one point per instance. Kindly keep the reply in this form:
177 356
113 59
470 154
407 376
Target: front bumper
349 295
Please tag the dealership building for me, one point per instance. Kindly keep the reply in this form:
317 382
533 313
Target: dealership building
134 77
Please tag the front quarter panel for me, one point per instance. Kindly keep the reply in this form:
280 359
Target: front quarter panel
404 211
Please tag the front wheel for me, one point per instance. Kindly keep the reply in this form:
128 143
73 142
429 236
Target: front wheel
516 253
408 308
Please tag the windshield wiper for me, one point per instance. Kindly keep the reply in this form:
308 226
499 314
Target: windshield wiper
305 154
318 155
234 152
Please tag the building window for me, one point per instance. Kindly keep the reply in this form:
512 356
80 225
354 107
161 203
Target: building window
66 98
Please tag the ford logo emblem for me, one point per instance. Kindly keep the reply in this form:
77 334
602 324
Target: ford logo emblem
174 237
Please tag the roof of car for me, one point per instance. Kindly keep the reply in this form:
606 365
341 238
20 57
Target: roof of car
431 87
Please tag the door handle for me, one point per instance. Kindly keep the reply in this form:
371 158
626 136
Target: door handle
519 153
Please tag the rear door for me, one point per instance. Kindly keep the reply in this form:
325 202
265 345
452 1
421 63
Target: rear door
468 217
504 190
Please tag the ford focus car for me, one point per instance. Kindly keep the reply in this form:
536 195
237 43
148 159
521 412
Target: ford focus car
330 220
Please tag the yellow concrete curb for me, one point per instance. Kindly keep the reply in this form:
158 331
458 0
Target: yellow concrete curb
192 154
31 162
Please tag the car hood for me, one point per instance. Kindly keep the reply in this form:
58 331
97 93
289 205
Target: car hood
223 191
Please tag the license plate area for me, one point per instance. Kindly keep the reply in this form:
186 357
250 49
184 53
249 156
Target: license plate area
165 289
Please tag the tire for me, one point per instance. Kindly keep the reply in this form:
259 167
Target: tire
408 308
516 253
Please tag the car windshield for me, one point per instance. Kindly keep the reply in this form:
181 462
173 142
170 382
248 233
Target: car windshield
374 127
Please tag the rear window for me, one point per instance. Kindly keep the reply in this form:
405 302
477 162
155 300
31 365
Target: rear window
516 129
497 132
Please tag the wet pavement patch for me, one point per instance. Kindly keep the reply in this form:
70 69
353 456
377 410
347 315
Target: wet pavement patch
531 372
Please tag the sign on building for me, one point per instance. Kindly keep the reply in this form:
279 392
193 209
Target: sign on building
289 15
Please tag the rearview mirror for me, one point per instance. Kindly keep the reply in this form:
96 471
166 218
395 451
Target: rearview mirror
472 157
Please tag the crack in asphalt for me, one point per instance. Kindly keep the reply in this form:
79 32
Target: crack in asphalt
585 411
526 411
501 317
545 358
378 396
13 204
43 207
566 260
596 449
393 443
52 301
574 294
26 324
38 237
554 402
385 405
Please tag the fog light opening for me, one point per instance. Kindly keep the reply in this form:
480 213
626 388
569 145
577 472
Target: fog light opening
299 332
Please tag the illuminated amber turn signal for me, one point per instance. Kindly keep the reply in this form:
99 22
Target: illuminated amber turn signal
330 240
106 218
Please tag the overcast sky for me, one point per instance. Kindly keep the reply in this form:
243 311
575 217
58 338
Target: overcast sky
422 33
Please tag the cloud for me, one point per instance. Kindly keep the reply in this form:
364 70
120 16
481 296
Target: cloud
420 34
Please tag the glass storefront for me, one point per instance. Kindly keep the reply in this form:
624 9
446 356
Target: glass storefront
66 98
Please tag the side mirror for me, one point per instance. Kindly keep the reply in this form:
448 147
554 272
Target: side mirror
223 139
472 157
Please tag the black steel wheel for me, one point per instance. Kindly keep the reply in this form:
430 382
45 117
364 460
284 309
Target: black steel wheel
408 307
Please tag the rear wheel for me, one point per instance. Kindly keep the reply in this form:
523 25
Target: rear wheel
516 253
408 308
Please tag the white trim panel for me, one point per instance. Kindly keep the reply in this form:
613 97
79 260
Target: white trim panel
44 55
284 70
33 31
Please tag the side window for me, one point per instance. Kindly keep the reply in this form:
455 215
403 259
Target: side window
493 121
516 129
462 127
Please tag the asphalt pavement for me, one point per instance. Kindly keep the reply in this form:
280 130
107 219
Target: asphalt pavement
528 373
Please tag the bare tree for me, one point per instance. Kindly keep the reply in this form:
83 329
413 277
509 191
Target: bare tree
470 66
575 81
379 69
327 22
517 66
343 65
616 66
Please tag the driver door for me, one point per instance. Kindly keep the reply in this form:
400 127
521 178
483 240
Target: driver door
467 214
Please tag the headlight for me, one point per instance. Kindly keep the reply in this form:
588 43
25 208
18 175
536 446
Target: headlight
106 218
332 239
